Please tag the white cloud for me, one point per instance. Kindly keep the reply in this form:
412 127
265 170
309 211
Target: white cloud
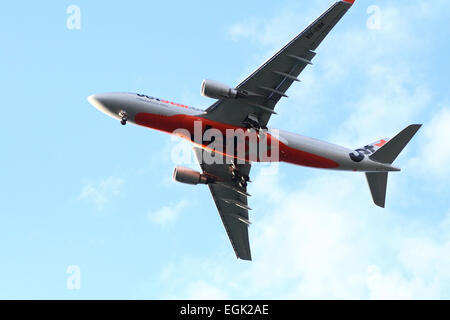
389 102
101 192
200 290
167 214
271 34
323 237
276 31
423 265
434 155
388 286
324 240
389 93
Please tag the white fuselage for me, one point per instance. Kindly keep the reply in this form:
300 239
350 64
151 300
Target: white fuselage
168 116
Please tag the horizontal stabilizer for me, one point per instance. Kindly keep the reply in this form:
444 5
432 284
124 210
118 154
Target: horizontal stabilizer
389 152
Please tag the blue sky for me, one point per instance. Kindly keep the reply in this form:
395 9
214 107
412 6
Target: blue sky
78 189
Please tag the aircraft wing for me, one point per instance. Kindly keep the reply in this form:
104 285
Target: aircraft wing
269 83
231 202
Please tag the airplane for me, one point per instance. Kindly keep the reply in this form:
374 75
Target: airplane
248 107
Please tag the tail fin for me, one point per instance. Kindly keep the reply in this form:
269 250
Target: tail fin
390 151
387 154
377 183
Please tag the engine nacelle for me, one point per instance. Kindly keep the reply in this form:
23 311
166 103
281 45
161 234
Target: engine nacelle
217 90
189 176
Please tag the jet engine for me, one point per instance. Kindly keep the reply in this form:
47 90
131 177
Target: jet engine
189 176
217 90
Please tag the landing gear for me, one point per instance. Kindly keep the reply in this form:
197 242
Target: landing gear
124 117
241 180
253 125
252 122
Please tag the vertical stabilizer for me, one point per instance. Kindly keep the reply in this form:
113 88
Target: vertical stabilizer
377 183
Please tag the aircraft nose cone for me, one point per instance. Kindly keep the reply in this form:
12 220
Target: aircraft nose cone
108 103
96 101
104 103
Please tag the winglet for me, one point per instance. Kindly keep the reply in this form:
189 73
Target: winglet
349 1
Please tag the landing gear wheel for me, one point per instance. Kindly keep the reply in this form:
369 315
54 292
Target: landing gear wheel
245 178
123 117
243 181
234 174
243 184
